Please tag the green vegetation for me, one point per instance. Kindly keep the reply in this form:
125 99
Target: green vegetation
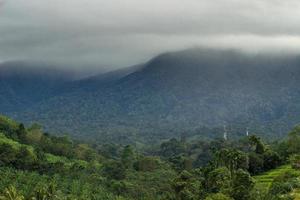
265 180
36 165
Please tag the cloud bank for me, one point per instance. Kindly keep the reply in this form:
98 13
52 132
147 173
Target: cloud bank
116 33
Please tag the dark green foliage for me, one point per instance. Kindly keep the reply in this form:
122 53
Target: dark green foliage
147 163
114 170
46 192
281 147
232 159
61 146
294 141
118 187
295 161
218 180
218 196
21 133
181 162
8 127
242 184
128 157
25 159
256 163
263 158
257 143
187 187
7 154
172 148
40 155
271 160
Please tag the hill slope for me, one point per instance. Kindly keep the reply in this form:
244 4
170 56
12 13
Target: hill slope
23 84
177 92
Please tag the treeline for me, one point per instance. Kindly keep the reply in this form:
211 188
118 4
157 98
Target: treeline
38 165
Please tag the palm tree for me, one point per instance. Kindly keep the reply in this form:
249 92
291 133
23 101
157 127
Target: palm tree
11 193
46 193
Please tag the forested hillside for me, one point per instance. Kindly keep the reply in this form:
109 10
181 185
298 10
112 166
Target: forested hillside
23 85
195 91
39 165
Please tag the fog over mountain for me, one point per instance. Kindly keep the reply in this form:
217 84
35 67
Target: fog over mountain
93 34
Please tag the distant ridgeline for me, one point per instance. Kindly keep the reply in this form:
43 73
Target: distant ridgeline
195 92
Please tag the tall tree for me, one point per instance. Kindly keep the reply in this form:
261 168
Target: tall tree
128 157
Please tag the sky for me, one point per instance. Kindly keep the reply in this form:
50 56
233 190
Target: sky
108 34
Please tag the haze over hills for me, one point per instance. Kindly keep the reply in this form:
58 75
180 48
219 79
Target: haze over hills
172 93
23 84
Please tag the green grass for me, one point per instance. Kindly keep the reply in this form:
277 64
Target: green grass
264 181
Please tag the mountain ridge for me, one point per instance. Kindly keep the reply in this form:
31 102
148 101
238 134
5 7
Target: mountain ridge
177 92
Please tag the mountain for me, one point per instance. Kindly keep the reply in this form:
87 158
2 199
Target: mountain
101 80
178 92
23 84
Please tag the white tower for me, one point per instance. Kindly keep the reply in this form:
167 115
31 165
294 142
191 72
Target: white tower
225 133
247 132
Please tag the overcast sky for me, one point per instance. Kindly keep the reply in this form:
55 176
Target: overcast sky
116 33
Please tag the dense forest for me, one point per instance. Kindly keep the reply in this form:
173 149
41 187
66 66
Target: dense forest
192 91
40 166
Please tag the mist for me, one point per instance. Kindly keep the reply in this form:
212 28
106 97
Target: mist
104 35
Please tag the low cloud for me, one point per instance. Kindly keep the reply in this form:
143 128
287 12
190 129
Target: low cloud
116 33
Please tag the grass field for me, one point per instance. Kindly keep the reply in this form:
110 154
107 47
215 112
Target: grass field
264 181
